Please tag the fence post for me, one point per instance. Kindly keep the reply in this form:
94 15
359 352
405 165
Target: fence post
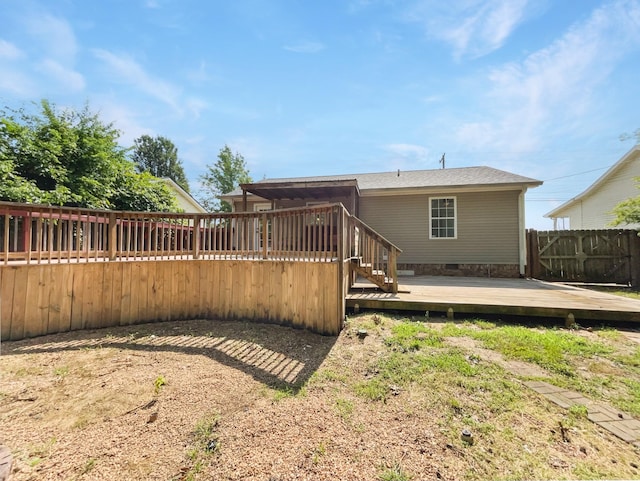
533 254
634 259
393 268
113 236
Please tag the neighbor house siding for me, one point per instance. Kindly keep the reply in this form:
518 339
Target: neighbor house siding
487 227
594 211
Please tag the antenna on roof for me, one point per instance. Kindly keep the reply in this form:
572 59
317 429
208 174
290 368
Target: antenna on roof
442 160
398 172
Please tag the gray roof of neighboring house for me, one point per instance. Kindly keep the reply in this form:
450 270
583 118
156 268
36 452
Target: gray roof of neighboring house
408 179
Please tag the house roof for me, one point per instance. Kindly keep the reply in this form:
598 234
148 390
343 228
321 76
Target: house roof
185 200
632 154
463 177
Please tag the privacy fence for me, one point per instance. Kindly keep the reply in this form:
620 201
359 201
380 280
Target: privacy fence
592 256
65 268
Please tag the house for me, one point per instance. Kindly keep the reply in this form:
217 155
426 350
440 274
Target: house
461 221
185 201
592 208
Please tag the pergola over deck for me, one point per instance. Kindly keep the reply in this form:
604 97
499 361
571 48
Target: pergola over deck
318 190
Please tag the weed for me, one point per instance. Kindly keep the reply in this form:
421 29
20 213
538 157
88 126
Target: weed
61 371
344 408
578 411
394 473
318 452
88 466
158 383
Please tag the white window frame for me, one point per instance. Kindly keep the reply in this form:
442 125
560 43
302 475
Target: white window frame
455 217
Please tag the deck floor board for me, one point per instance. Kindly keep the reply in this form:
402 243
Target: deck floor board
522 297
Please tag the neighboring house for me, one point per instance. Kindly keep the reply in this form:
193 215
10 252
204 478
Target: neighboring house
186 203
592 208
463 221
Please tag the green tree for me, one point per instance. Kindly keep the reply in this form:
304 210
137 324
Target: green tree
68 157
628 211
229 171
159 156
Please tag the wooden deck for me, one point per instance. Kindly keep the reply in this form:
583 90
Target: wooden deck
508 297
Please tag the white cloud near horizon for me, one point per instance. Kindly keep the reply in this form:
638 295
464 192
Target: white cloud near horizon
556 86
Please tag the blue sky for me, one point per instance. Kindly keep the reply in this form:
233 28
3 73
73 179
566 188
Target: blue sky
540 88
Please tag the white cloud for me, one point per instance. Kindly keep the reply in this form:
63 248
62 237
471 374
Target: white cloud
406 156
125 119
71 79
56 35
305 47
129 71
9 51
473 27
555 86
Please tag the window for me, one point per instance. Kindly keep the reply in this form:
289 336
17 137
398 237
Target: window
442 218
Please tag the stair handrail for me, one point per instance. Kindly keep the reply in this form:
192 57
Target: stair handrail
392 250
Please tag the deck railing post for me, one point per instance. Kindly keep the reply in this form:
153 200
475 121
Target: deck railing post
196 236
113 236
393 269
265 236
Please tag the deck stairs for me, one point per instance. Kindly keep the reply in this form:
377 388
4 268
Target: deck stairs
372 256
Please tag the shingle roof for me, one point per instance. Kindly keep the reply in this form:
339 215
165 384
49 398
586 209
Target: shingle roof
407 179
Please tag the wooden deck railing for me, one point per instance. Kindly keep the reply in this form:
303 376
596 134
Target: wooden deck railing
373 256
37 234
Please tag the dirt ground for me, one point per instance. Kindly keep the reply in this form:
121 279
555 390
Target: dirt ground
233 401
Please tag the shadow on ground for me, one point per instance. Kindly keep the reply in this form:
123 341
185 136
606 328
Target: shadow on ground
277 356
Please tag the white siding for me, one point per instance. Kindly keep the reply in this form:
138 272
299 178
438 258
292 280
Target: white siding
594 211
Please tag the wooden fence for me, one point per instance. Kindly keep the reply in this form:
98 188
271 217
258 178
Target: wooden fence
594 256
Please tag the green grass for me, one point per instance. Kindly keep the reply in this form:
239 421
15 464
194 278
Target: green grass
548 348
393 473
413 336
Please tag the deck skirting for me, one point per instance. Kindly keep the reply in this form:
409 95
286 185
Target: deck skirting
39 299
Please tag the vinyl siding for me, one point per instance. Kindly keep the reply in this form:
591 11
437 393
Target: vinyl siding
594 211
487 227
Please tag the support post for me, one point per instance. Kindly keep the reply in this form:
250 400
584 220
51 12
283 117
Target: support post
196 234
113 236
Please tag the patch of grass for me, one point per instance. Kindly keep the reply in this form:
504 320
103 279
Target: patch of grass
318 452
578 411
413 336
344 407
61 371
393 473
549 348
88 466
205 443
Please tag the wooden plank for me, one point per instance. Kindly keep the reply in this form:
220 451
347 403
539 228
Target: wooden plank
194 294
64 275
32 323
114 312
20 299
149 313
314 296
56 295
167 295
125 295
180 305
212 289
7 287
107 307
91 295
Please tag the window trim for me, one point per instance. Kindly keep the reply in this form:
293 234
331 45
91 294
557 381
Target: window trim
455 217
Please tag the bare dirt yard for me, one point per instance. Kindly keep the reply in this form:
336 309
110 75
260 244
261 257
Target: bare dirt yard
386 400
